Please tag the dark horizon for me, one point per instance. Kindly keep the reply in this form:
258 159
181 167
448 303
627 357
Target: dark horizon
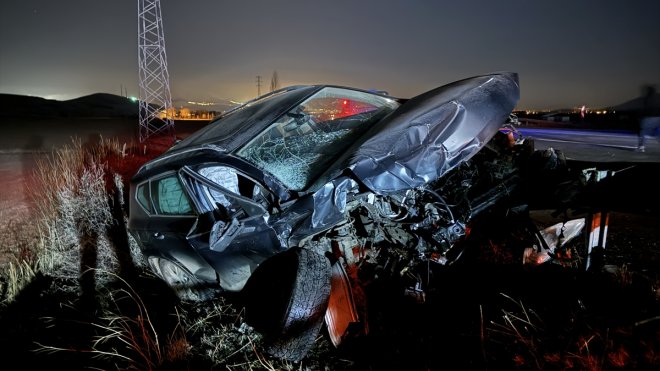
23 103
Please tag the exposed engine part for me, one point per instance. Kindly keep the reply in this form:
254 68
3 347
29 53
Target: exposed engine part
398 233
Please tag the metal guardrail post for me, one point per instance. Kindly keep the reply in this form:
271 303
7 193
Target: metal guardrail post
597 222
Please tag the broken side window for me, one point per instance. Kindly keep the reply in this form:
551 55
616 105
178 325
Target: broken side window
225 177
227 192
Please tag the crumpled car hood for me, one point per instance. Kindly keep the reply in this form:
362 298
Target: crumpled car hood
434 132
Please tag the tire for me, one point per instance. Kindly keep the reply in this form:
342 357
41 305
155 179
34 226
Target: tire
185 285
285 300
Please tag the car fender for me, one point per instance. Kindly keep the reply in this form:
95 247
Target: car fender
433 132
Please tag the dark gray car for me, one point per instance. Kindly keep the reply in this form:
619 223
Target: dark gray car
286 196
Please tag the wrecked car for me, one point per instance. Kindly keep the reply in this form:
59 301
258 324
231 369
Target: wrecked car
300 197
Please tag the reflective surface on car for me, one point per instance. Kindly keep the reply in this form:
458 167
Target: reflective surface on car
306 139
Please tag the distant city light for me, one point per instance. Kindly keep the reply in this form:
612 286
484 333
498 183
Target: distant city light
202 103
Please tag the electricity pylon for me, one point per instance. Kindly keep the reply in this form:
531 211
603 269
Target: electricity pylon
258 85
156 113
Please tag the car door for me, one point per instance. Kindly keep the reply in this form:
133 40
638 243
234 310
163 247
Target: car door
171 214
162 218
231 231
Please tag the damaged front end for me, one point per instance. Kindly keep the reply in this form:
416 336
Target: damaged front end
479 206
436 188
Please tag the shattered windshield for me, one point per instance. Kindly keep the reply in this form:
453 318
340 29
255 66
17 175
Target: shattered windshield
303 143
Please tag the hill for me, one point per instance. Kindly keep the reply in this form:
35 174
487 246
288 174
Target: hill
93 105
636 104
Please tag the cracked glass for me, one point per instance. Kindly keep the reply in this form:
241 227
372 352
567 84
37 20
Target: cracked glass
304 142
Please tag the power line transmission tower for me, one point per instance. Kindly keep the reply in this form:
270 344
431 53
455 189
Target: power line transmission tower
258 85
155 113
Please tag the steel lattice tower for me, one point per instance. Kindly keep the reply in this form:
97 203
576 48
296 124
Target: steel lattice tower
156 112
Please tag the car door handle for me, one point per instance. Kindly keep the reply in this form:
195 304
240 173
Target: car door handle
159 236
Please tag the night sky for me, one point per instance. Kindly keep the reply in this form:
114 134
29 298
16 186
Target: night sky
567 52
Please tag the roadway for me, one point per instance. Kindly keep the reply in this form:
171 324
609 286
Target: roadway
594 146
634 185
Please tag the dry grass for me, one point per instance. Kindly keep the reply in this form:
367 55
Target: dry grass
75 191
142 347
71 191
524 327
16 275
126 334
533 345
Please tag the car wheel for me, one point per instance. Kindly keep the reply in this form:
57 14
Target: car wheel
184 284
285 300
